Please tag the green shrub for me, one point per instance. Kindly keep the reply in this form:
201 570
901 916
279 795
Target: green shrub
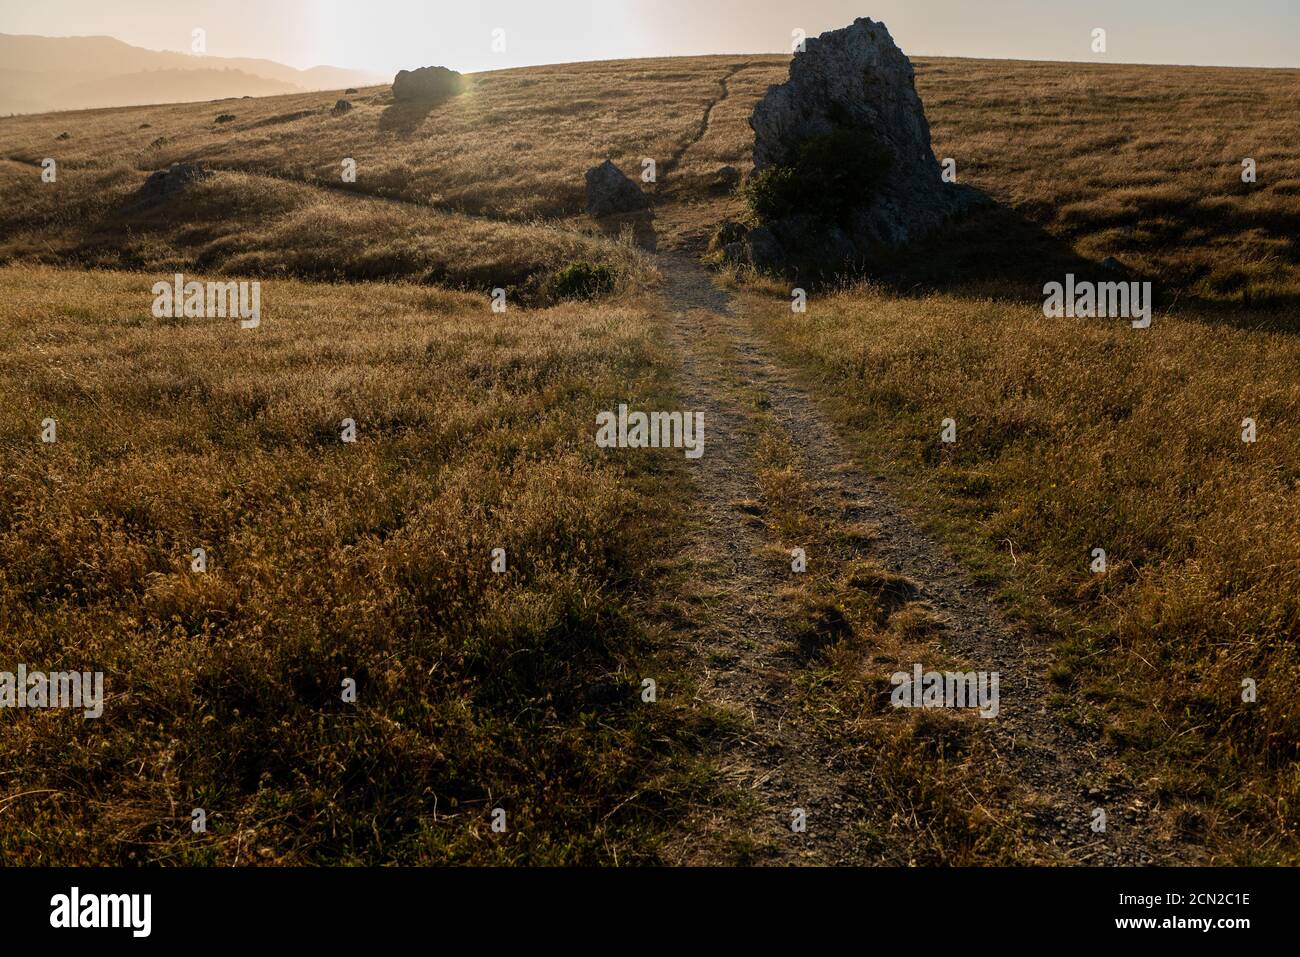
827 176
772 193
581 280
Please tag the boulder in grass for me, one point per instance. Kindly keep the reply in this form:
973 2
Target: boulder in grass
842 156
166 183
428 84
341 107
609 191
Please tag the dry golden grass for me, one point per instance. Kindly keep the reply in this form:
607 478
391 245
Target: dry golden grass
1139 162
1082 434
330 560
371 560
241 224
516 144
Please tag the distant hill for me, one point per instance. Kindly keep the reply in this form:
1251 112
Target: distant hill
67 73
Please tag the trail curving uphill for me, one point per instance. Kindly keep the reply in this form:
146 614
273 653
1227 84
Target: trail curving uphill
782 762
724 91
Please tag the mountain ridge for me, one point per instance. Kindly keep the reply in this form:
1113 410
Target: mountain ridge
67 73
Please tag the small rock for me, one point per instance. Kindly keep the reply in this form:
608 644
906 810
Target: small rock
814 240
64 136
728 233
165 183
764 250
735 252
341 107
225 117
610 191
726 179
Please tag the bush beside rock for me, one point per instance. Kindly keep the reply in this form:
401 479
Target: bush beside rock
580 280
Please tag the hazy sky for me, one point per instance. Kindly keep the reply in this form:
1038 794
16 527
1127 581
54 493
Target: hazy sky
384 35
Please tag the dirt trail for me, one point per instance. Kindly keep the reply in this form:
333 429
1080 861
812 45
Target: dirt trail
781 764
743 652
745 662
724 91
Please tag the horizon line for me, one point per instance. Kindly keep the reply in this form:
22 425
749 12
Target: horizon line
666 56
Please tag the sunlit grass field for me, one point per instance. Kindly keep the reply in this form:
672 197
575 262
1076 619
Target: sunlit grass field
1142 163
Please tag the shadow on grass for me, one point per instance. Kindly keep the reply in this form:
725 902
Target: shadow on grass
991 250
639 223
997 251
407 116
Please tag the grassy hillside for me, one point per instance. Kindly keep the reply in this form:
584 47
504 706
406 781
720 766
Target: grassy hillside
241 224
1140 163
372 560
515 145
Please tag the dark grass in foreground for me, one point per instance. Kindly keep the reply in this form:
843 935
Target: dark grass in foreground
369 561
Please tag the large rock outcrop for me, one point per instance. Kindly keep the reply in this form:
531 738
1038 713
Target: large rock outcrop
855 78
428 84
